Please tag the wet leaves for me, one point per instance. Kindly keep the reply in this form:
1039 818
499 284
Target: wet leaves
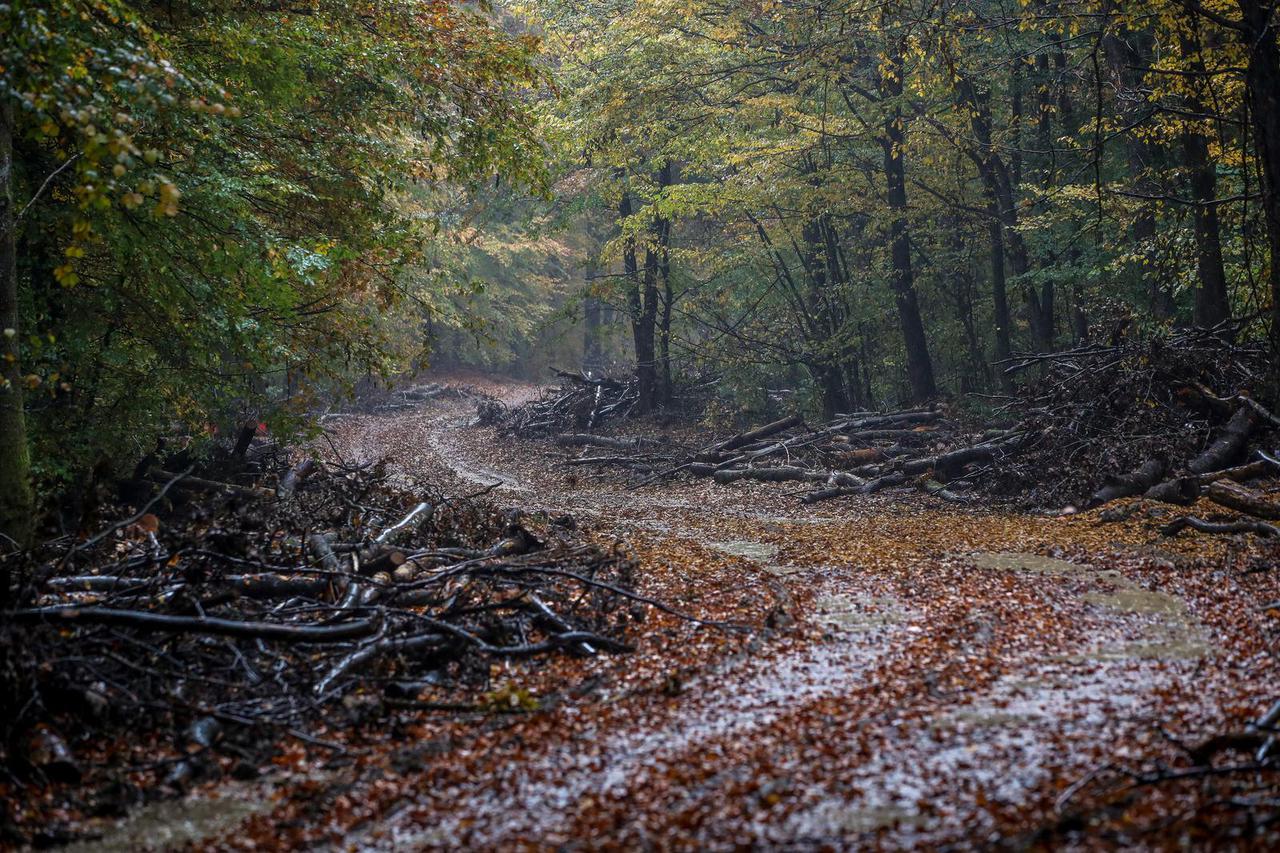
917 675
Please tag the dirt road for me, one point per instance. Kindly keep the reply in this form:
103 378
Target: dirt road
913 674
917 674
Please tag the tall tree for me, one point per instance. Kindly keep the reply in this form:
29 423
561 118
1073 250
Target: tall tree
16 502
919 362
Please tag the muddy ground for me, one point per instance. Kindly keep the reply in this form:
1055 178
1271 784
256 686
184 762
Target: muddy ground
914 674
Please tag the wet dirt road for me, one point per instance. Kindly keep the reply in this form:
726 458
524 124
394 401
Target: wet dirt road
911 675
917 674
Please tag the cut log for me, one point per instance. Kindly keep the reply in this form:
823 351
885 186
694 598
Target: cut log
1261 411
886 420
948 466
189 482
294 477
608 460
895 478
323 549
1237 497
938 490
1135 482
419 511
582 439
384 561
1186 490
1183 491
583 379
1229 444
784 474
713 452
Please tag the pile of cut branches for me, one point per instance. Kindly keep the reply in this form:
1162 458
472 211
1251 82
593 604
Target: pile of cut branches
274 604
857 453
1134 415
580 403
1169 419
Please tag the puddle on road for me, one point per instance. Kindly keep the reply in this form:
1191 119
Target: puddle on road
758 552
761 552
841 819
856 612
178 823
1018 562
1169 632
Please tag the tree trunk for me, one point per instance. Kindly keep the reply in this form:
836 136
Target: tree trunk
592 346
646 357
1124 52
643 309
663 229
1213 302
834 397
666 392
16 500
1262 81
1044 316
999 295
919 364
980 121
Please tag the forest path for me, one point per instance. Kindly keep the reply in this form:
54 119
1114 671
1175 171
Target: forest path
920 674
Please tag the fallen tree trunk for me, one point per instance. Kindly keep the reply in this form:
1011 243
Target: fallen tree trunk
1186 490
1182 491
1236 497
938 490
189 482
1229 444
753 435
389 535
581 439
947 466
607 460
886 420
1135 482
784 474
896 478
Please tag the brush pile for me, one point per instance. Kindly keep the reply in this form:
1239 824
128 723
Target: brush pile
580 403
1115 417
312 593
1169 419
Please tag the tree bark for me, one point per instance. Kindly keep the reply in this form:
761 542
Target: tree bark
642 302
1262 82
592 328
16 499
1125 58
663 232
1213 304
1212 301
645 333
919 363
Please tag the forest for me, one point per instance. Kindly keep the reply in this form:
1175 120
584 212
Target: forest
628 424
